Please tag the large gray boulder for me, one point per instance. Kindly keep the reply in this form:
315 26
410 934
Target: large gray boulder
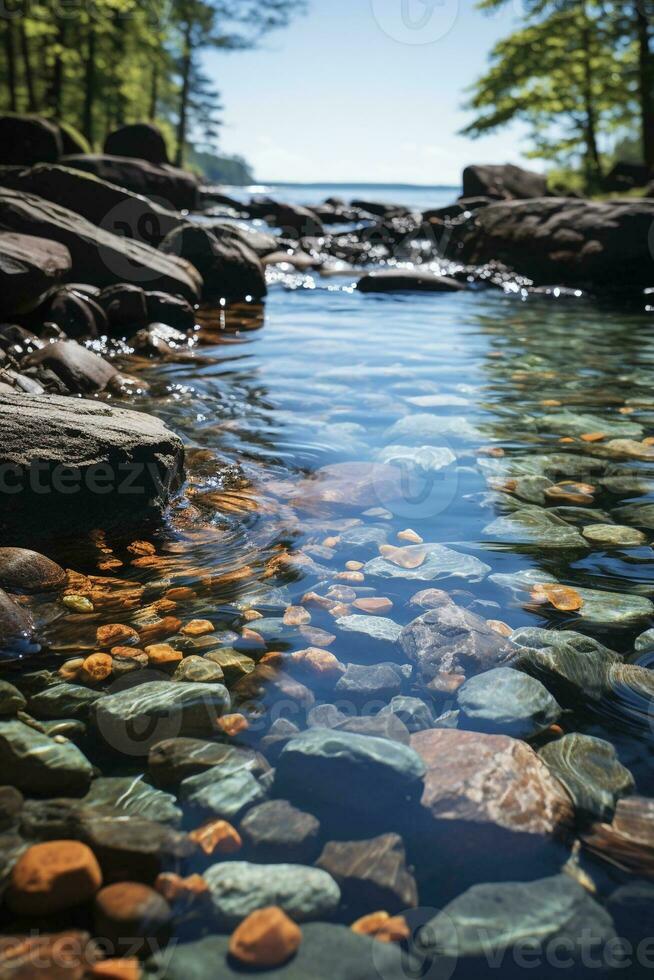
503 181
172 188
229 268
28 139
99 257
29 268
141 140
558 240
113 208
70 458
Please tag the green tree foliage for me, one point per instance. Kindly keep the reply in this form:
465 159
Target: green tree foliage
101 64
564 75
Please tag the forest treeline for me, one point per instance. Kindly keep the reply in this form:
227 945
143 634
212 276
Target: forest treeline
580 73
97 64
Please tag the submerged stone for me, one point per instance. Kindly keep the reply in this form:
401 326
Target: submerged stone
535 525
377 627
613 536
506 702
589 769
39 765
494 920
132 795
360 772
238 888
440 563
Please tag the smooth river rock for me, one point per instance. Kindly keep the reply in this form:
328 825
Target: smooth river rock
133 720
39 765
372 875
115 460
342 769
29 268
238 888
488 796
448 644
494 929
504 701
589 769
22 570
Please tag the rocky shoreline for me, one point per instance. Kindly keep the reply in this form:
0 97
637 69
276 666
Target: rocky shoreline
161 815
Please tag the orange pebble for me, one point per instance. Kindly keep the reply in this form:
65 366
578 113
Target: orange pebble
115 634
265 939
217 837
163 653
96 668
382 927
198 627
233 725
126 969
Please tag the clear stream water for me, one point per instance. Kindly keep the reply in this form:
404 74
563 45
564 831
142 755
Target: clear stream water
486 383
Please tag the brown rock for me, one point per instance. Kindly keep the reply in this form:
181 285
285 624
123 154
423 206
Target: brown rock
159 630
115 634
27 571
217 837
383 927
628 841
182 891
487 798
374 606
318 663
125 969
96 668
53 876
162 653
128 911
233 725
57 956
265 939
198 627
297 616
371 873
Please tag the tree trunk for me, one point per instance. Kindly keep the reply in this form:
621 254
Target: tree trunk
27 68
10 54
89 87
187 61
154 91
54 93
645 87
592 162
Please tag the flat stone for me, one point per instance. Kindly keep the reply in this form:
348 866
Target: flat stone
413 712
362 683
29 268
613 536
487 797
503 701
98 256
233 664
378 726
628 840
360 771
440 563
589 769
63 700
635 515
173 760
277 831
448 644
573 666
222 796
133 720
327 952
134 796
407 280
535 525
39 765
372 875
72 442
429 458
238 888
377 627
422 429
493 920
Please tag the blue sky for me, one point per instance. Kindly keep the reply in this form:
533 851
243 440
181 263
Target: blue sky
364 90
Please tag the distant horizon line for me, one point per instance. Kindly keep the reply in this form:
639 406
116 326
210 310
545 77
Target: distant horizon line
352 183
